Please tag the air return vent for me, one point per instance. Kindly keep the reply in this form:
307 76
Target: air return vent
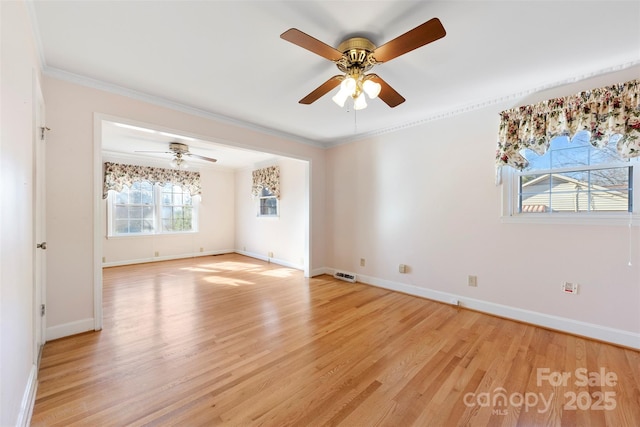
343 275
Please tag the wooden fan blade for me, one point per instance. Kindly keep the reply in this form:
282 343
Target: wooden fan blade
428 32
387 93
314 45
209 159
322 90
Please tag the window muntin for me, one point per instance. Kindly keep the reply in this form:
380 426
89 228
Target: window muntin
146 208
575 177
267 203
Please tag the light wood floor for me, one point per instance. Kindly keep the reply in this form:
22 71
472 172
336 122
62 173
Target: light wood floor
229 340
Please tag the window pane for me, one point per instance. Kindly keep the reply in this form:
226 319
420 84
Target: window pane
147 226
177 212
135 212
570 157
147 197
167 212
611 179
610 201
534 193
121 212
147 212
268 206
121 226
135 226
122 197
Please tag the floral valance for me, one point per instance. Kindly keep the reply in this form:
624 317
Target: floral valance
266 178
118 175
603 112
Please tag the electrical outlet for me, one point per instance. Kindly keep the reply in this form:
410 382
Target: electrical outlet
156 253
472 281
270 254
363 262
569 288
201 249
104 259
402 268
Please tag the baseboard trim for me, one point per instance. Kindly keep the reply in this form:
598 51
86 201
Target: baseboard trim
281 262
548 321
165 258
28 399
68 329
321 271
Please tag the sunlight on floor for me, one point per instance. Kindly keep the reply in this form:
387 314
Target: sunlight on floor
281 272
219 280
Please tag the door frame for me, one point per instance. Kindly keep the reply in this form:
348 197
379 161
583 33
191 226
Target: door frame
39 219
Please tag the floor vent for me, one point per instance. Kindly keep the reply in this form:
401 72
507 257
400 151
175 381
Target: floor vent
347 277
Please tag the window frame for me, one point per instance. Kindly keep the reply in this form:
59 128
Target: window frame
259 204
510 198
157 212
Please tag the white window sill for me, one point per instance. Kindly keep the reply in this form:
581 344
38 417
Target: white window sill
134 236
621 219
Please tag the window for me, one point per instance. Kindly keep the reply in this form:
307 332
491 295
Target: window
573 177
133 209
267 203
145 208
177 209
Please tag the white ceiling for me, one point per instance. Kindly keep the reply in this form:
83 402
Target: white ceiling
131 142
226 59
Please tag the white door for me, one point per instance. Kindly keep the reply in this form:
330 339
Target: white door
39 218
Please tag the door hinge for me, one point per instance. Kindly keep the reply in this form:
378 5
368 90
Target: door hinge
43 310
42 131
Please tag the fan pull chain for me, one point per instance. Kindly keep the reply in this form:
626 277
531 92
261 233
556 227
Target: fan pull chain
630 238
355 121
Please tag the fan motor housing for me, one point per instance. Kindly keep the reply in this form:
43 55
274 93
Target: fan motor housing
357 52
178 147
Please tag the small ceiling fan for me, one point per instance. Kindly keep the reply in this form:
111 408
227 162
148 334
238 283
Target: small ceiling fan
357 55
179 151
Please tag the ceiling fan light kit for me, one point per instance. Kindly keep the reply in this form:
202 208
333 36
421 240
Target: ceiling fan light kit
355 56
178 162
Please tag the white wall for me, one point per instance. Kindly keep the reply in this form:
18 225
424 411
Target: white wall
70 164
19 64
215 235
283 236
426 197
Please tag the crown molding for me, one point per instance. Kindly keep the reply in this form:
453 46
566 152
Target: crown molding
111 88
486 103
161 102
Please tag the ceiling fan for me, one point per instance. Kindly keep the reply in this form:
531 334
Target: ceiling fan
179 151
357 55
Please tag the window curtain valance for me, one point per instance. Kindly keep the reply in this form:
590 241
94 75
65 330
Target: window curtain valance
116 176
266 177
603 112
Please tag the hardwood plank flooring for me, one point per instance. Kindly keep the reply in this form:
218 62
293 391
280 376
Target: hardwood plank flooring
233 341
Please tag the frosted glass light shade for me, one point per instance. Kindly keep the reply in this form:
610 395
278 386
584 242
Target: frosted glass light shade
360 102
340 97
371 88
